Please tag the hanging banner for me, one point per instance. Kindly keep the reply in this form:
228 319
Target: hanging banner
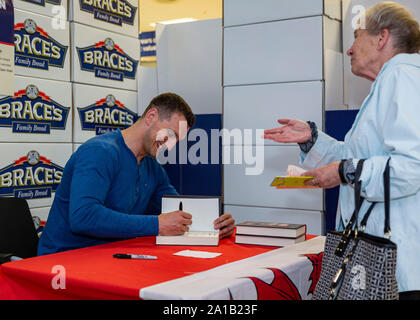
7 49
147 44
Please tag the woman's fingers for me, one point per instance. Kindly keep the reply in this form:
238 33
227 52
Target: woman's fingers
283 121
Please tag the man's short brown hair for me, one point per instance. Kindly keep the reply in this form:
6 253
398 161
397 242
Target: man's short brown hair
169 103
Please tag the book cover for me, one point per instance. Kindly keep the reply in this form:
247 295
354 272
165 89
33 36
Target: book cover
276 229
281 182
268 241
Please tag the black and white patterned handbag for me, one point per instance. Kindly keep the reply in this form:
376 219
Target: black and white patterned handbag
356 265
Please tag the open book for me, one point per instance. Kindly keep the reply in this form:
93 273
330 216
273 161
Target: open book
204 211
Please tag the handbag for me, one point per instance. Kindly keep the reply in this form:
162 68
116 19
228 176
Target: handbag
357 265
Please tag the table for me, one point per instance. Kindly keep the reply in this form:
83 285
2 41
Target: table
92 273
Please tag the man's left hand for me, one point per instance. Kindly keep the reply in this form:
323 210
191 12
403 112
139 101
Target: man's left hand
324 177
225 224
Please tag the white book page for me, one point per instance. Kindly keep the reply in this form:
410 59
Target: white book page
203 210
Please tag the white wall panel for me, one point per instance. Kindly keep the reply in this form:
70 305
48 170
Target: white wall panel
333 65
314 220
189 63
332 9
241 188
147 87
270 52
41 50
104 58
98 110
282 59
39 111
32 170
259 107
238 12
334 87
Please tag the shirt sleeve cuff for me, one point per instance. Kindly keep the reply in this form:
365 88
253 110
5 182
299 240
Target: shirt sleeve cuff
306 146
155 225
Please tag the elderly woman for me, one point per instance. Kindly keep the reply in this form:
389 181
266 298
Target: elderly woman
387 125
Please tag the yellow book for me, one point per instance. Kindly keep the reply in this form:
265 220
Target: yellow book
291 182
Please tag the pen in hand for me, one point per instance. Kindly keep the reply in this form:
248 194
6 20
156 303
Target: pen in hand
180 206
134 256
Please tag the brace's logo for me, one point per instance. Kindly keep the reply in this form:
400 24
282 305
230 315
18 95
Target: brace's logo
32 111
107 60
116 12
34 48
30 177
105 115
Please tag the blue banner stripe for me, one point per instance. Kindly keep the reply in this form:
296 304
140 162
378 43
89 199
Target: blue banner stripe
7 22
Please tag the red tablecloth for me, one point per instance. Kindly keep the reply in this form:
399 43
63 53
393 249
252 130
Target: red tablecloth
93 273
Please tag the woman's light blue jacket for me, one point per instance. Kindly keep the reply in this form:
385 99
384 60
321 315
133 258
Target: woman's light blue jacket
387 125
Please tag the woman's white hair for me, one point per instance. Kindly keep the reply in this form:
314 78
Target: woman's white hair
400 23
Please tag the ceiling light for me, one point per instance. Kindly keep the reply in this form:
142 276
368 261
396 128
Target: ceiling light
174 21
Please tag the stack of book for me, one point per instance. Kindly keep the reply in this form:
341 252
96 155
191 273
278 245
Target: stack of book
270 234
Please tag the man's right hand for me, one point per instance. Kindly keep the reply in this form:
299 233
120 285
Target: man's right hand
174 223
292 131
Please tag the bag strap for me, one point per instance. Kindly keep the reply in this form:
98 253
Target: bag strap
387 201
358 200
366 217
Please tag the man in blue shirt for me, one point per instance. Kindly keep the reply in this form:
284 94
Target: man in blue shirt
112 186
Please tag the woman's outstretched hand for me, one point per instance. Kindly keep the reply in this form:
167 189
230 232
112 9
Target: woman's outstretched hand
292 131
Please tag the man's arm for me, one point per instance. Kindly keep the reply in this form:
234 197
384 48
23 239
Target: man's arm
94 170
